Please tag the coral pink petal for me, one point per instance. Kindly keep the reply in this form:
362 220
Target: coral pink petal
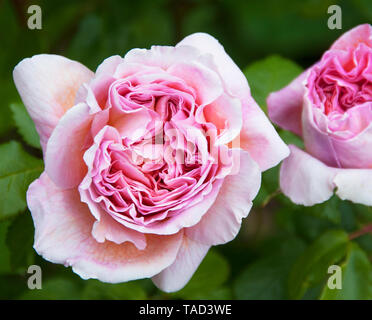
305 179
222 221
176 276
63 235
48 85
285 106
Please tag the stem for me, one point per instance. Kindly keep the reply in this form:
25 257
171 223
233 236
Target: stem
366 229
270 197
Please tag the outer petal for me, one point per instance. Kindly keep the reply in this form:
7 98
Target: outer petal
306 180
317 142
108 66
285 106
259 137
222 221
63 235
352 38
355 152
64 157
355 185
176 276
47 85
230 73
332 150
106 228
161 56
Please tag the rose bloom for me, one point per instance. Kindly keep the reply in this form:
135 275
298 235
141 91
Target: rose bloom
330 107
149 161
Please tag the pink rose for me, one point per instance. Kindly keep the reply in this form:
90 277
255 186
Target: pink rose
149 162
330 107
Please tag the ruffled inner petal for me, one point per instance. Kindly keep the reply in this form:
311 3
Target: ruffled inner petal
340 86
157 158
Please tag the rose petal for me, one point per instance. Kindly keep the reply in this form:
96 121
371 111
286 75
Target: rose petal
191 215
106 228
333 150
63 235
355 185
230 73
260 138
223 220
161 56
355 152
64 156
285 106
47 85
226 114
176 276
108 66
352 38
317 142
132 125
205 82
306 180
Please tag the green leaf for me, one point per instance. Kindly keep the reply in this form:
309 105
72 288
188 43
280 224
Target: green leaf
25 125
17 170
54 289
304 222
348 216
6 122
96 290
356 277
267 278
268 75
210 276
312 266
328 210
221 293
4 251
363 213
269 186
11 286
20 238
365 242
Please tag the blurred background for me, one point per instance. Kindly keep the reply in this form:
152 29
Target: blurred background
272 41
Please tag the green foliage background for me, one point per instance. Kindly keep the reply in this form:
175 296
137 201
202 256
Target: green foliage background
283 251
